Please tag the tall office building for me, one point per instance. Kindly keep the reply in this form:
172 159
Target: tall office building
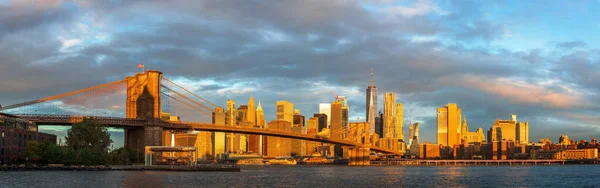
449 125
345 116
379 125
389 111
285 111
509 130
523 132
399 129
218 138
251 114
322 121
230 121
371 105
325 108
255 142
260 117
298 119
336 120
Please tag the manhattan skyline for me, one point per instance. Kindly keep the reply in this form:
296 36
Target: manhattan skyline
491 64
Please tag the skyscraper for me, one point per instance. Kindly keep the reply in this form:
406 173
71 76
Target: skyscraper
345 116
260 117
399 130
230 121
336 120
379 124
449 125
256 141
325 108
371 105
298 119
251 114
285 111
389 111
218 138
322 123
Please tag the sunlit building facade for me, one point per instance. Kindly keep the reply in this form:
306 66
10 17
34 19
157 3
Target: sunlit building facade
285 111
371 103
449 125
276 146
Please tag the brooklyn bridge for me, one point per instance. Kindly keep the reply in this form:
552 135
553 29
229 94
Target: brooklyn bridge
145 96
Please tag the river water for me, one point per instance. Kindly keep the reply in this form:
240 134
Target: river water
323 176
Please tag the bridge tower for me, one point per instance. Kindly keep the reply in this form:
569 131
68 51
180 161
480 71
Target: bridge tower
143 102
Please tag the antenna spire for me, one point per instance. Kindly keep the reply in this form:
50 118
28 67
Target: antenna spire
372 82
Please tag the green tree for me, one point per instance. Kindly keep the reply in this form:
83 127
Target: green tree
33 151
89 141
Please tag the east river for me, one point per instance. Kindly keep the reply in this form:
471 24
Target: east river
323 176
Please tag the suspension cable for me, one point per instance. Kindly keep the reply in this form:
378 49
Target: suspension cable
214 105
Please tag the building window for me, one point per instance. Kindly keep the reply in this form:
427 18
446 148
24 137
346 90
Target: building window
2 134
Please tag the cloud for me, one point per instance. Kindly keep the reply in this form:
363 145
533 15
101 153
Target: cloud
429 52
519 91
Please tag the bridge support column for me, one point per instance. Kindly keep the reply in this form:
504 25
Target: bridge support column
359 156
138 139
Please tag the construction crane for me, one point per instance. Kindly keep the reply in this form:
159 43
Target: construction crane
334 95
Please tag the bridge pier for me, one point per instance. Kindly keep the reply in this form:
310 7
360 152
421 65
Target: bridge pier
359 156
138 139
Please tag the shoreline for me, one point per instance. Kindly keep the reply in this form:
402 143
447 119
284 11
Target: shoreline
215 168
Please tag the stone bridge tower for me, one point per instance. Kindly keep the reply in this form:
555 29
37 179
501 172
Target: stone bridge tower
144 102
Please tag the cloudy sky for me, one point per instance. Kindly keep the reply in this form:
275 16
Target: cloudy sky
536 59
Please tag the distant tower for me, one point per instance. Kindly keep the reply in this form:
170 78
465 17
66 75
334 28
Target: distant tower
389 113
260 116
371 103
251 114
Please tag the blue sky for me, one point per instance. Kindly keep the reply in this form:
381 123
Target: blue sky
536 59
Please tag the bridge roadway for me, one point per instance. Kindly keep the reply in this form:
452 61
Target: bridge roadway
67 120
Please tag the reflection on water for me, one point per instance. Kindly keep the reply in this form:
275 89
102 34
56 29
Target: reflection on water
322 176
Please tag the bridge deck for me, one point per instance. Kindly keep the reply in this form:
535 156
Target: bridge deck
138 123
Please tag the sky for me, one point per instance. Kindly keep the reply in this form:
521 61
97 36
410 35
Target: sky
536 59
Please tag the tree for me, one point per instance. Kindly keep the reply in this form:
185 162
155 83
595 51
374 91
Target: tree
89 141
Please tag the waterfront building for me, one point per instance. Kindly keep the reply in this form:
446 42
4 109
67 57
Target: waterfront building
448 125
414 149
428 150
276 146
523 132
285 111
322 121
325 108
507 130
371 103
389 112
15 134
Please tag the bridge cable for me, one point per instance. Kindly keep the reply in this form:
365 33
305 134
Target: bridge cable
187 104
185 97
60 96
188 91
